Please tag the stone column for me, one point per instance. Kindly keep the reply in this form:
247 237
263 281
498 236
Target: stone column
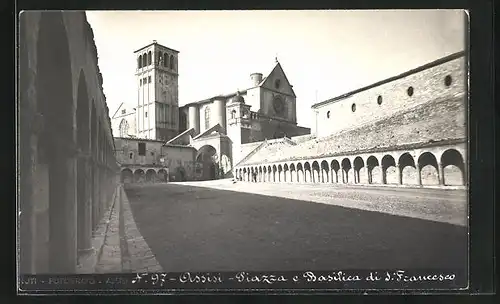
440 174
400 175
419 175
382 175
63 211
369 174
86 216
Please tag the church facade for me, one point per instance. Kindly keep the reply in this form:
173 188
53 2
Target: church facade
222 129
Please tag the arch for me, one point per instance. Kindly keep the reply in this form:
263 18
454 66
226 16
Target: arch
84 229
165 60
207 155
172 62
335 167
346 168
151 176
408 169
389 170
54 94
149 58
233 114
139 176
144 60
273 177
325 172
139 62
127 176
162 175
307 172
315 172
359 173
373 170
428 169
300 173
453 167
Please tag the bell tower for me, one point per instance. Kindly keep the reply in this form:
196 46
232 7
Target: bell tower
157 114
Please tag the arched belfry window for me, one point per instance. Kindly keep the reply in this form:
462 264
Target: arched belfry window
144 60
139 62
165 60
149 58
124 128
233 114
207 117
172 62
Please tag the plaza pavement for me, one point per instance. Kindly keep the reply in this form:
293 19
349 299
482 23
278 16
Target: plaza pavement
221 226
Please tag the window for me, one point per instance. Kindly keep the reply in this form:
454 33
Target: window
149 79
447 80
144 60
124 111
165 60
139 62
130 155
142 149
123 128
233 114
353 107
172 62
144 80
328 114
379 100
207 117
140 82
152 154
277 84
146 114
149 58
410 91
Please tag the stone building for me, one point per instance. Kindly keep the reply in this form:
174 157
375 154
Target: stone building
149 160
221 128
406 130
68 173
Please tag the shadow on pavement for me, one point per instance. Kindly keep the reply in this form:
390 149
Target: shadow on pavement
202 229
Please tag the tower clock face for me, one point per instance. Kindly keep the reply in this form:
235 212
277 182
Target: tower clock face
279 105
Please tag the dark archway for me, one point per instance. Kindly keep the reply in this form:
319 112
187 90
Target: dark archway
408 169
307 172
315 174
207 155
335 167
293 173
139 176
300 173
346 167
374 170
429 172
56 242
127 176
453 167
150 176
389 170
359 164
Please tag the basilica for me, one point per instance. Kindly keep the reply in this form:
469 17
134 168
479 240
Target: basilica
221 130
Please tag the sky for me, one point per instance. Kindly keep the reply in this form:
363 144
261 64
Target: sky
323 53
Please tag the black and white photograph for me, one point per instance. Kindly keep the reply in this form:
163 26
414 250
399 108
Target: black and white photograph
248 146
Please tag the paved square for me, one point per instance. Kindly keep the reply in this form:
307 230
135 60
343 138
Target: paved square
191 228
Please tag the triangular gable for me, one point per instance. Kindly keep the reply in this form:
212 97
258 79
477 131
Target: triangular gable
188 132
278 73
119 107
217 128
123 106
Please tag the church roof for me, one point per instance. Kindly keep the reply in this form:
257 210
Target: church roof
156 43
227 96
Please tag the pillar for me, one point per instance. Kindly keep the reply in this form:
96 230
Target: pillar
63 213
419 176
440 174
86 216
369 174
382 175
400 175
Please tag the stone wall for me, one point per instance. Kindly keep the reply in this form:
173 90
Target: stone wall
384 100
435 121
66 143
